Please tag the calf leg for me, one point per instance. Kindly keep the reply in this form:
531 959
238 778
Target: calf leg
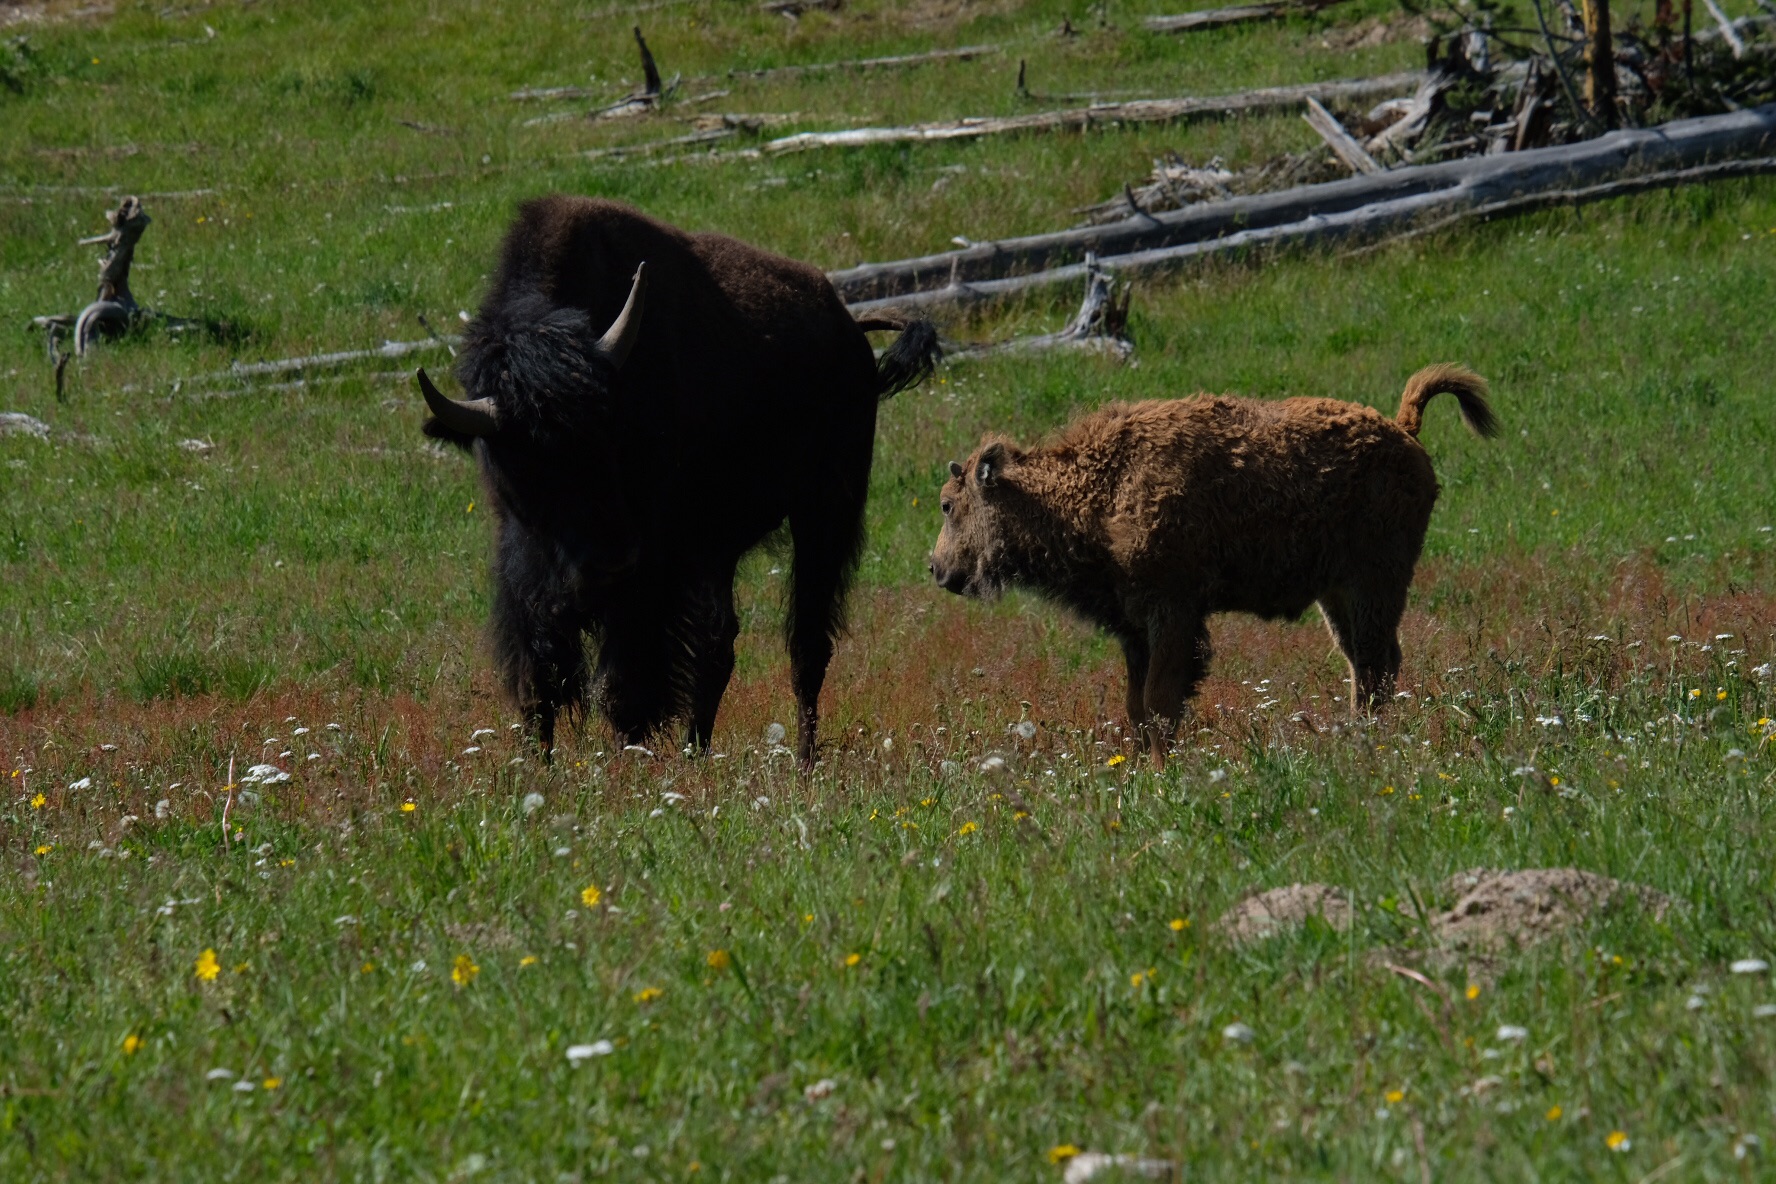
1136 655
1366 625
1179 644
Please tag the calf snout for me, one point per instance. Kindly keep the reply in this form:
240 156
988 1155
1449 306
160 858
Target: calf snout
949 579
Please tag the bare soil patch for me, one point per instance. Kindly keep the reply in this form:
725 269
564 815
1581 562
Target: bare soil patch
1270 913
1496 911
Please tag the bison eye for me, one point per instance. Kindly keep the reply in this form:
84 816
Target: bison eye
947 503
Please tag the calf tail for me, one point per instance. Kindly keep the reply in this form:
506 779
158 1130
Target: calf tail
1446 378
910 360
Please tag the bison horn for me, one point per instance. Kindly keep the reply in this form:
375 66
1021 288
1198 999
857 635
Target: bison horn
471 417
619 339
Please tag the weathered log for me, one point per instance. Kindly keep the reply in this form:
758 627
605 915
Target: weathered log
1342 143
1212 18
795 8
1365 206
1133 111
964 54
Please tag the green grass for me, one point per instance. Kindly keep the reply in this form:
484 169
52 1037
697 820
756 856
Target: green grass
166 610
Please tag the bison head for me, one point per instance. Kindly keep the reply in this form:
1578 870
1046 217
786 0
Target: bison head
545 429
558 337
970 557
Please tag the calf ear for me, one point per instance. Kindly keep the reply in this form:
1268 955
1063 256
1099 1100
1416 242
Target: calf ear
956 470
992 461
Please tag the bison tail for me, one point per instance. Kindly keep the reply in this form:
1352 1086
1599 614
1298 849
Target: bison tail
910 360
1447 378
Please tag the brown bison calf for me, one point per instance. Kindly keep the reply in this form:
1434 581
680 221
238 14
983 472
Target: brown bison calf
1147 517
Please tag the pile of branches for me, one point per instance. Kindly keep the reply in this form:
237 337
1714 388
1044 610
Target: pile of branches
1508 79
1498 81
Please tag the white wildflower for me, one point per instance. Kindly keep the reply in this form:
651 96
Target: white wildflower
1749 966
598 1048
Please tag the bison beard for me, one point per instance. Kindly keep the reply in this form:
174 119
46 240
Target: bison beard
629 473
1145 518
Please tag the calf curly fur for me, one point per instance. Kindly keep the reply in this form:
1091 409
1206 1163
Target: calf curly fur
1147 517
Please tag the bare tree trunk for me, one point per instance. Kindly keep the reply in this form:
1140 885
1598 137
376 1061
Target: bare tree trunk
1600 63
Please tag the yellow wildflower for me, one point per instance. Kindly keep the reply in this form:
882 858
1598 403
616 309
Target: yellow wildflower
1720 695
718 960
1386 789
408 807
1618 1141
366 968
1109 764
967 828
1473 991
1062 1152
37 801
1695 692
807 918
207 968
272 1082
590 895
1178 924
648 994
1395 1096
463 970
926 801
131 1044
46 848
1554 1113
528 960
853 959
1019 815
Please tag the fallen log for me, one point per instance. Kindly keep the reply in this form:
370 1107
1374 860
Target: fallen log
1213 18
1362 207
964 54
1101 114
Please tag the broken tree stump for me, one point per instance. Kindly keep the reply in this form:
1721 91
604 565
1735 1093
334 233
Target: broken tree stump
114 310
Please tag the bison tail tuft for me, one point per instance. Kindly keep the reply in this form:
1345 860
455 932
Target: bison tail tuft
1447 378
910 360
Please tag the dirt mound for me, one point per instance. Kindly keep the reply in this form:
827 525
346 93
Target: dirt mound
1497 910
1270 913
1494 911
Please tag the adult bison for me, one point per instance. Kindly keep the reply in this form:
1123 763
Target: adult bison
630 468
1147 517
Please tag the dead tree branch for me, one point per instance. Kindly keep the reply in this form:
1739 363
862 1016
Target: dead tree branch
965 54
1133 111
1342 143
1214 18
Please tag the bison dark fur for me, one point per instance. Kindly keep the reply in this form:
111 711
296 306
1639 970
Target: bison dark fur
628 474
1147 517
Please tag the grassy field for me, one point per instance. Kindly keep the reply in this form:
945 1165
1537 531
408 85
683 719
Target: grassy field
921 962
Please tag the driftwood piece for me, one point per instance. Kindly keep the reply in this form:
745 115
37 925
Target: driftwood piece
1367 206
1134 111
964 54
1100 325
1727 28
1213 18
1343 144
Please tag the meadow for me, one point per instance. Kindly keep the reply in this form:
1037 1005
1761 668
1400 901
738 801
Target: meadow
982 936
